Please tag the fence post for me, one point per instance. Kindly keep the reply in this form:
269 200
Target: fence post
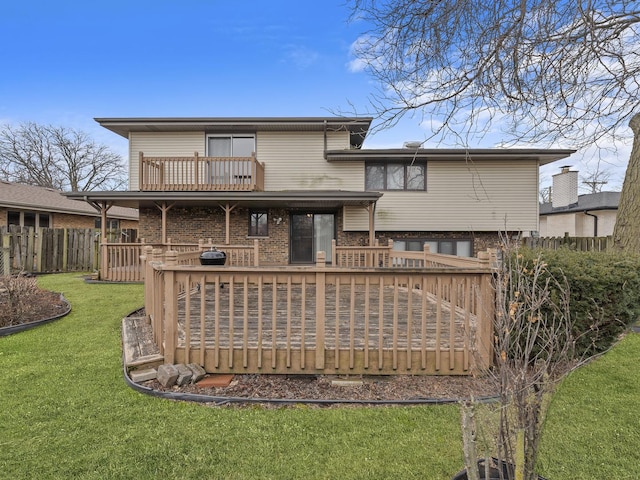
486 312
321 267
39 249
6 254
171 307
30 264
65 249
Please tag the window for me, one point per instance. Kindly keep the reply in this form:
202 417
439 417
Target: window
13 218
461 248
258 223
231 145
112 223
43 220
28 219
395 176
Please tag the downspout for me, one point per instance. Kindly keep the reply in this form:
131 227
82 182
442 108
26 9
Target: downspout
325 140
595 222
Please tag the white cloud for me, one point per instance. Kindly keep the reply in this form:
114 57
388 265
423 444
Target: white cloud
301 56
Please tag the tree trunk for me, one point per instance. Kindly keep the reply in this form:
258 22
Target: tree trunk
626 233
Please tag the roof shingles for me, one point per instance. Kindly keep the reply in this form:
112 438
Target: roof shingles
31 197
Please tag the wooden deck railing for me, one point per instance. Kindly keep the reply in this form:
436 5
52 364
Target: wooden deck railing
200 173
320 319
386 256
120 262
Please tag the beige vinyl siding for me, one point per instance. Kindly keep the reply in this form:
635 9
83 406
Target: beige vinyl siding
161 144
484 196
295 161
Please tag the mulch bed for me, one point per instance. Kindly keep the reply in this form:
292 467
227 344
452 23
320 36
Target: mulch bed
300 388
40 306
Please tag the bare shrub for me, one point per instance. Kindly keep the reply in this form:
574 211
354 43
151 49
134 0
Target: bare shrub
17 298
534 348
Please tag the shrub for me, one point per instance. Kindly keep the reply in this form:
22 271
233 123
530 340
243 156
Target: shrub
17 294
604 293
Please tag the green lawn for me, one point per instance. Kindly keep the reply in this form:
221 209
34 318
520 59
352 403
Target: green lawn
65 412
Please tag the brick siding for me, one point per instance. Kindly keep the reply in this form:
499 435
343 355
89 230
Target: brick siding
188 225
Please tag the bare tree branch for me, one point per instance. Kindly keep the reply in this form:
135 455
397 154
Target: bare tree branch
554 70
58 157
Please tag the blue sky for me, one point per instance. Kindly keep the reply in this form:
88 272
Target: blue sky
66 62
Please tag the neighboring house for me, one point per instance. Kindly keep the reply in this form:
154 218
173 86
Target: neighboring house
33 206
295 184
590 215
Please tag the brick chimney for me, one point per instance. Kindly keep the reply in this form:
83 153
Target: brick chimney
565 188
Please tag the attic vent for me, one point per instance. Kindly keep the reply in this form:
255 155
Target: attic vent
413 144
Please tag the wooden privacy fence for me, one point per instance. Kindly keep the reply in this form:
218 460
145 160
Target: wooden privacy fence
120 262
584 244
320 318
25 249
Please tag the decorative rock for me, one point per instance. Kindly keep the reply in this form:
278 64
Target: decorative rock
197 371
184 375
139 376
167 375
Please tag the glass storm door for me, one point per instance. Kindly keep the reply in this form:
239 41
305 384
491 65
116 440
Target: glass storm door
311 233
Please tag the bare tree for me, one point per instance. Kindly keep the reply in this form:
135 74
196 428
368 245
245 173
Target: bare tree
594 180
58 157
545 195
542 71
548 70
626 232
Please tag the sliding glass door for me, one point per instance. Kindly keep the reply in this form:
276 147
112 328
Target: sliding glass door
311 233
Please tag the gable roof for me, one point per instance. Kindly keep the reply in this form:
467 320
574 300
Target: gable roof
586 202
31 197
356 126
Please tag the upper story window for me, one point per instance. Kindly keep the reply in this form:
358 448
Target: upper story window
231 145
395 176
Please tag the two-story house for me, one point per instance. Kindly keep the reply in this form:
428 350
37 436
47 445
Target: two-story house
295 184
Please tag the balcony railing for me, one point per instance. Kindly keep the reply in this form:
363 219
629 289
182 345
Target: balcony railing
222 174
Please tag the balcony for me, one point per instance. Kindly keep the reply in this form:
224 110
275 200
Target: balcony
196 173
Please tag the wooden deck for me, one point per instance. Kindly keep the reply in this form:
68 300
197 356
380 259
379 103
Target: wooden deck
260 324
320 319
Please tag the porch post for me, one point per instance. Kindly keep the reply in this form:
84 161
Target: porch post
227 211
372 223
164 208
104 208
